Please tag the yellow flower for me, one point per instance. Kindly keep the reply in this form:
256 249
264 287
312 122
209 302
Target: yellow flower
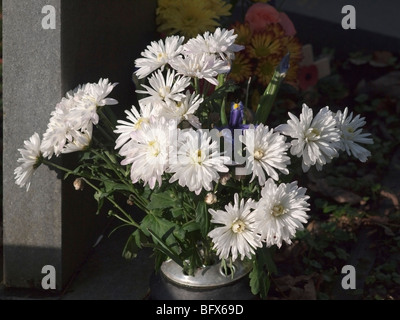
189 17
265 69
241 68
267 43
243 32
219 7
293 46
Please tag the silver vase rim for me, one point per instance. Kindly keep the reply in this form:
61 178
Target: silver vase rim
206 277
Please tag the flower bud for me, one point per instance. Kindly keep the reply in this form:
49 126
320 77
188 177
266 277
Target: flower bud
130 200
79 184
210 198
224 178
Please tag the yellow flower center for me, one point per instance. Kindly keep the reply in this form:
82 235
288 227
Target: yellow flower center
161 56
258 154
197 157
199 154
312 134
350 130
163 92
238 226
138 124
154 148
278 210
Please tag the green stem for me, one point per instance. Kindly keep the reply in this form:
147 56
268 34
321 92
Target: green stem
116 205
131 221
197 85
105 134
121 219
111 115
52 164
107 121
246 105
206 88
139 201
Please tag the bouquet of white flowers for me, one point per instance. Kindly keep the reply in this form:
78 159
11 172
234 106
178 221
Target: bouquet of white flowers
214 185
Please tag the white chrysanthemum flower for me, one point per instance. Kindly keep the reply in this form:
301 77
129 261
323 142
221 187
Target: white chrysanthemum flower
184 109
147 151
351 135
58 129
221 42
201 66
30 161
196 161
80 141
98 92
77 112
164 91
157 55
315 139
88 98
135 122
236 236
267 151
280 212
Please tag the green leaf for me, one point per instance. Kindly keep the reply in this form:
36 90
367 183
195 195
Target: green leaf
133 244
361 98
111 186
342 254
163 200
259 280
159 225
263 267
164 248
99 196
264 256
224 120
176 212
111 156
180 234
268 98
330 255
203 218
191 226
396 278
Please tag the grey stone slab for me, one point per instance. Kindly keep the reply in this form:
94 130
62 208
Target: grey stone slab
32 86
379 17
52 224
320 23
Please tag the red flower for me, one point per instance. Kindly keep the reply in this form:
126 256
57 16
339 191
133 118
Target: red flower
260 15
308 76
286 24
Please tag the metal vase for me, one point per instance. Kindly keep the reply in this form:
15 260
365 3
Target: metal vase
208 283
